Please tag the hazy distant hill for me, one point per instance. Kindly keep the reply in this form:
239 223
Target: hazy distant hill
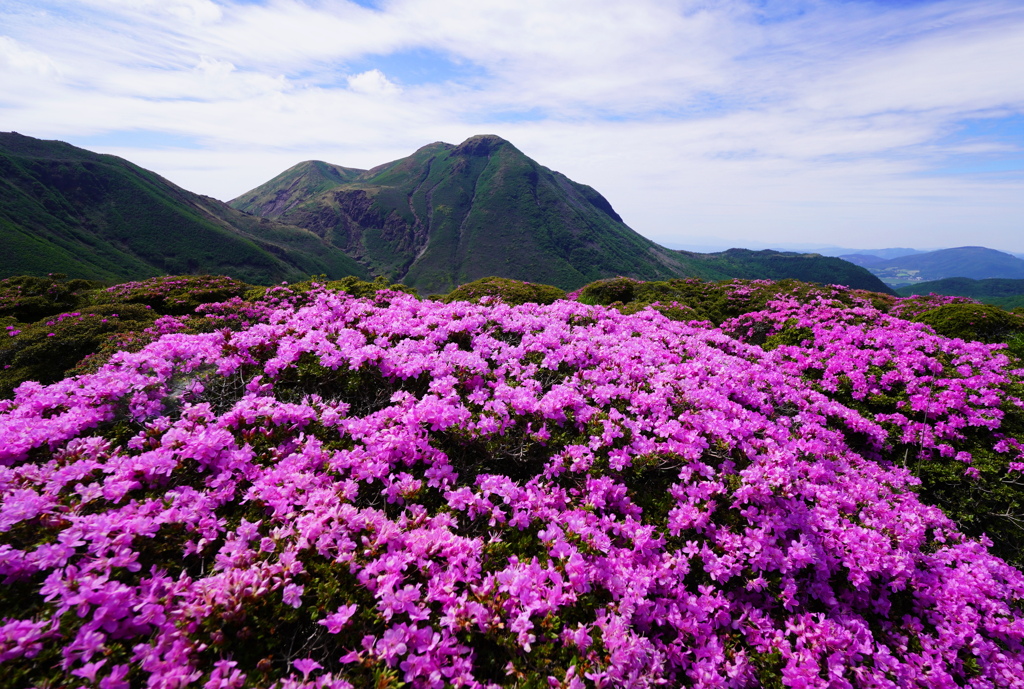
1006 293
974 262
449 214
65 209
872 255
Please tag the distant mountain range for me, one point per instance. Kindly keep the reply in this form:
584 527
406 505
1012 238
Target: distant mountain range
975 262
67 210
441 217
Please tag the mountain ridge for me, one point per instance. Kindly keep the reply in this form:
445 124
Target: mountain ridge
441 217
975 262
65 209
449 214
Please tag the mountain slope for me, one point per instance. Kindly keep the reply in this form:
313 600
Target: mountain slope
447 215
998 291
65 209
974 262
777 265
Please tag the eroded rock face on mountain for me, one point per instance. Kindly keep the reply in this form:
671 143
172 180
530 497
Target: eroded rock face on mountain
447 215
450 214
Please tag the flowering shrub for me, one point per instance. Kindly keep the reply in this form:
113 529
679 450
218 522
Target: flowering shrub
26 298
716 301
174 294
363 492
912 307
44 351
982 322
953 409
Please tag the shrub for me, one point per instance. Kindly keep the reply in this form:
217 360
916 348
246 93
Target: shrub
174 294
952 408
979 322
509 291
46 350
363 492
361 288
26 298
609 291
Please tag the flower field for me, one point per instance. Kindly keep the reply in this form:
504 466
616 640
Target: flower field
733 485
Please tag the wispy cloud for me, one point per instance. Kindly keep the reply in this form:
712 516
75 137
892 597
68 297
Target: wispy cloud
846 121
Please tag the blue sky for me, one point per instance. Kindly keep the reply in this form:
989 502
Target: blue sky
860 123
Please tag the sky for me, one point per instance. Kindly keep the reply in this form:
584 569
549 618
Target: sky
857 123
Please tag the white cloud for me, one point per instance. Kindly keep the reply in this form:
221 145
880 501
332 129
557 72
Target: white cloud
693 117
372 82
16 58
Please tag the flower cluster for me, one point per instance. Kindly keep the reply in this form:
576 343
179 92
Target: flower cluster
911 307
355 491
940 388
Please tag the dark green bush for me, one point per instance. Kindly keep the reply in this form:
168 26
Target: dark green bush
673 311
1015 347
27 299
715 301
981 322
361 288
509 291
174 294
607 292
47 349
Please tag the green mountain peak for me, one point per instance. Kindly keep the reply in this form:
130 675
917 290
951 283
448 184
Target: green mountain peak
450 214
65 209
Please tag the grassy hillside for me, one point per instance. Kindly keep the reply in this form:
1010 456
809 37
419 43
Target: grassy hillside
293 186
1008 294
64 209
777 265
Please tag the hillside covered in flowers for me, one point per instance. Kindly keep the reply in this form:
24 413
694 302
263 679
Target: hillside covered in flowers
680 483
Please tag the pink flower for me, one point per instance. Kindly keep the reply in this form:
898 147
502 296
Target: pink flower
293 595
306 666
335 621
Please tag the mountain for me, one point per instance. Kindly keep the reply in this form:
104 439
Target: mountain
1006 293
65 209
778 265
873 257
447 215
974 262
885 254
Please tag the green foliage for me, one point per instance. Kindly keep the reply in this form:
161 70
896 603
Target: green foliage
607 292
47 349
509 291
695 299
361 288
981 322
101 217
174 294
1015 347
26 298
